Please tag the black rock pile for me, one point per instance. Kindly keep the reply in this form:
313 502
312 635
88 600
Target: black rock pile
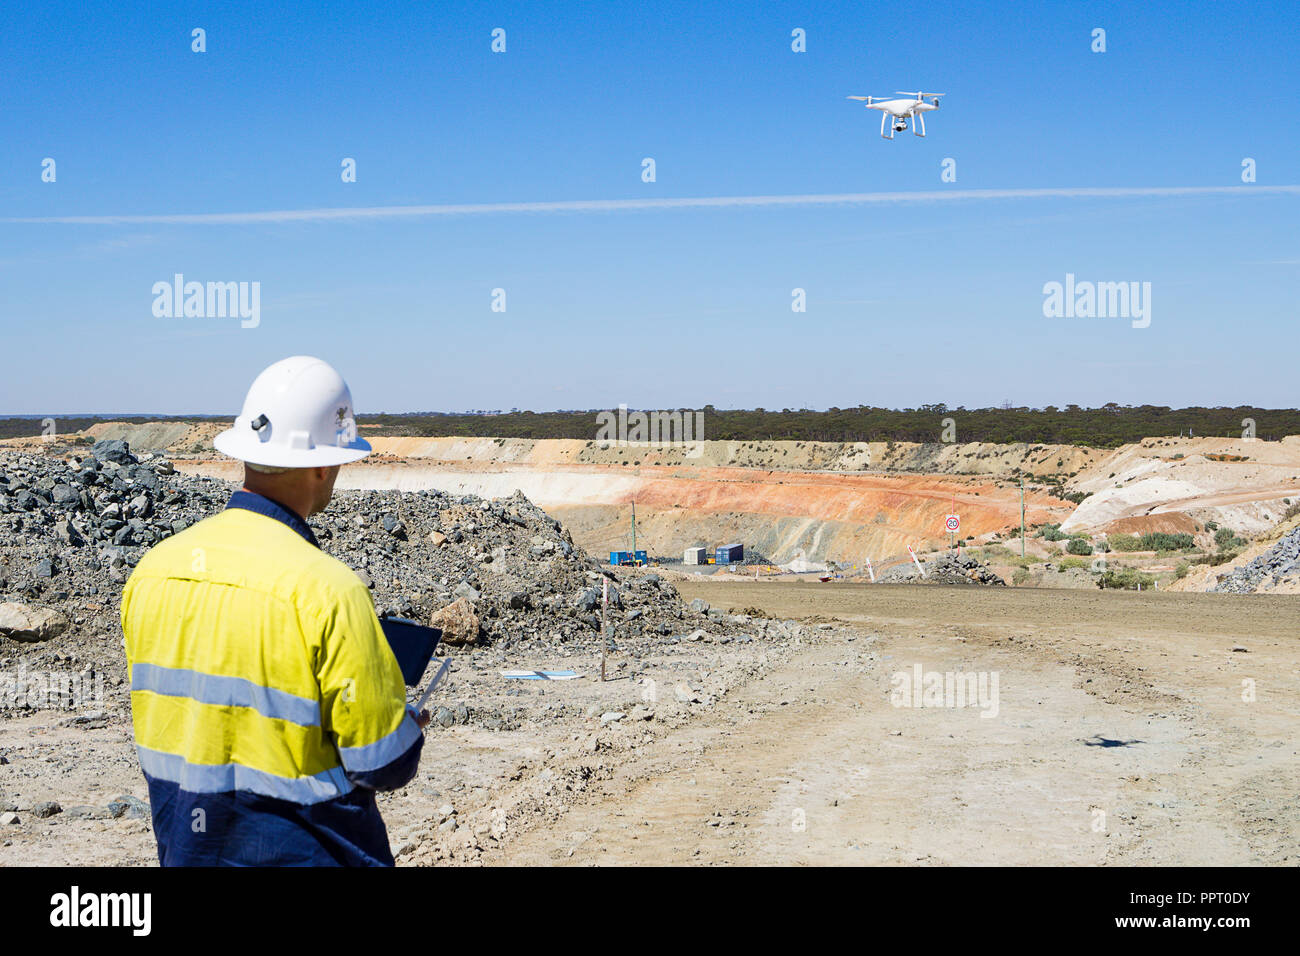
1278 562
72 529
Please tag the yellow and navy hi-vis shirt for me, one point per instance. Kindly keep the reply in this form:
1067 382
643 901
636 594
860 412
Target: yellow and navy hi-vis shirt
268 707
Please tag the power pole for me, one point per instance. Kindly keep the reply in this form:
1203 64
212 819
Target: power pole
634 532
1022 516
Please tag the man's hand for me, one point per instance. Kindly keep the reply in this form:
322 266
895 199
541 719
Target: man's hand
422 719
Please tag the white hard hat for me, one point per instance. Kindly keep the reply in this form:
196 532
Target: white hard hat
298 414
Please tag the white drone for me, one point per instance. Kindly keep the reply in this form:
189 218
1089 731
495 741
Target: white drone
914 106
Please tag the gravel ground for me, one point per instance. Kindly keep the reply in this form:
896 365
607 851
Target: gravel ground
501 576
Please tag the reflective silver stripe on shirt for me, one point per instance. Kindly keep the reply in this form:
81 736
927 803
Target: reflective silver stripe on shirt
384 750
226 777
226 692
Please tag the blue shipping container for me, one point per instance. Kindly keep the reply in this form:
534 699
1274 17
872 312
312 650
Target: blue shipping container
729 554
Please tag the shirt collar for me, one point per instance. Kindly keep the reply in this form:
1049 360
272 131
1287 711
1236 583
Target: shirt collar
260 504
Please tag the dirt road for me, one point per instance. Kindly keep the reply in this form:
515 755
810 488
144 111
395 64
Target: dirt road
1125 732
1122 729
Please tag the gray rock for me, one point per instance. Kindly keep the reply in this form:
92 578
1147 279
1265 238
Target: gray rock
64 495
31 623
128 807
114 450
46 809
87 813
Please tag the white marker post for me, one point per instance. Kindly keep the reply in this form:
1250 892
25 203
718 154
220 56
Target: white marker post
920 567
604 637
871 571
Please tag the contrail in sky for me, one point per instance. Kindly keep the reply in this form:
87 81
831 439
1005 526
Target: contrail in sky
632 205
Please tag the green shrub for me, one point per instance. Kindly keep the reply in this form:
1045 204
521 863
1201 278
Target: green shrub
1052 532
1126 579
1078 546
1162 541
1124 542
1227 539
1068 564
1019 576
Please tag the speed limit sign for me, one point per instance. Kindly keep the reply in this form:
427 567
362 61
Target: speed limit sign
952 523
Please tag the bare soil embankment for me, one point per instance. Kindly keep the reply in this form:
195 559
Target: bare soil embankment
781 514
822 501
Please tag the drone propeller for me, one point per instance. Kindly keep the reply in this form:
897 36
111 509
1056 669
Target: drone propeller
869 99
918 95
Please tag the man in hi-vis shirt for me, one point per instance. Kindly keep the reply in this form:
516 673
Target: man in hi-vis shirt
268 706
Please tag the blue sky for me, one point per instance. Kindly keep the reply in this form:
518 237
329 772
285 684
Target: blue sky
907 302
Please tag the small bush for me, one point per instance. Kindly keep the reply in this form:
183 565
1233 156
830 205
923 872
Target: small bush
1125 542
1226 539
1126 579
1078 546
1019 576
1162 541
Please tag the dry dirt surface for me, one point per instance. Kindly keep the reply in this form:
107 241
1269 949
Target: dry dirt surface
1121 738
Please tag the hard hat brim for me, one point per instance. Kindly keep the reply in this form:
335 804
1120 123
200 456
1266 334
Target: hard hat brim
245 447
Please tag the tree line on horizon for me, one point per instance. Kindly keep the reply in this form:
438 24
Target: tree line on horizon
1109 426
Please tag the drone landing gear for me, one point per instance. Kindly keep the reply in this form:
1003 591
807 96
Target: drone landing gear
885 119
918 124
